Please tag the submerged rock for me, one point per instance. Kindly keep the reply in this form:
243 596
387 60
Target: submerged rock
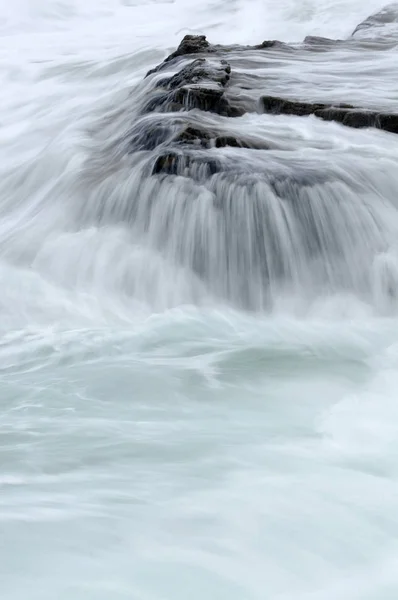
205 138
316 43
199 71
174 163
381 24
275 105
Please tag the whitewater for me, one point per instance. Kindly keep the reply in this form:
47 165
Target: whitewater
165 436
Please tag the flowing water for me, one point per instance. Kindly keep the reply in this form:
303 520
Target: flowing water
175 426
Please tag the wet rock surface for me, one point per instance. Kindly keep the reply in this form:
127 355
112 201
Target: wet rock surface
210 171
198 44
316 43
212 139
197 166
345 114
191 44
382 23
278 106
228 82
201 85
199 71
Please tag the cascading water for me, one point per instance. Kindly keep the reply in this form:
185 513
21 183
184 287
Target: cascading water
197 369
302 216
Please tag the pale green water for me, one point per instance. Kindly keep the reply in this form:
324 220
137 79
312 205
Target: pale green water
155 442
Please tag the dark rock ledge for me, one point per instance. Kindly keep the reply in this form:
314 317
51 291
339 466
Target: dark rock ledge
201 84
345 114
198 44
199 77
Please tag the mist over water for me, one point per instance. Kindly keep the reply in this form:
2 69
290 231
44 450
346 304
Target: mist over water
185 411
